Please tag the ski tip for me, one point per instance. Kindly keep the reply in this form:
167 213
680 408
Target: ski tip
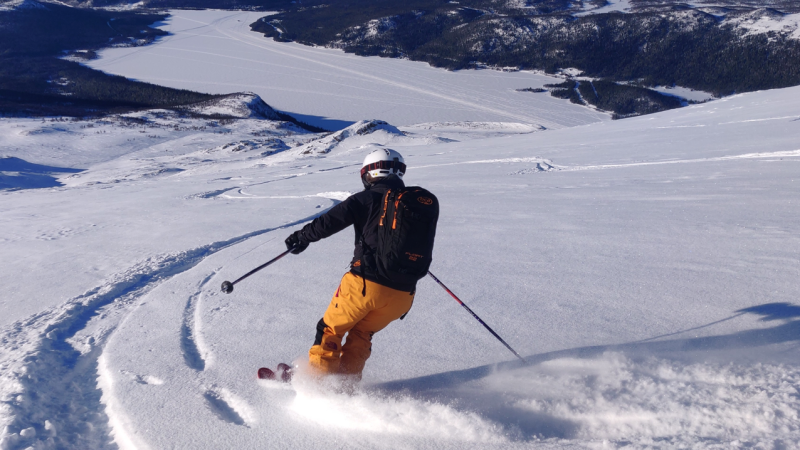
266 374
286 372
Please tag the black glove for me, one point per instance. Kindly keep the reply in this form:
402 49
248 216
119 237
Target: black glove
297 242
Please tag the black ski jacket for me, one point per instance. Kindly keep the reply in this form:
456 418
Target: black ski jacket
362 210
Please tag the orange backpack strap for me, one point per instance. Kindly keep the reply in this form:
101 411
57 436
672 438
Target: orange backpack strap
385 206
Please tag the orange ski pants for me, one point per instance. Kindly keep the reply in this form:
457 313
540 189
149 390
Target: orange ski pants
359 316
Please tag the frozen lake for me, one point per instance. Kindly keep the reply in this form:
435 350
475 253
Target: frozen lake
215 52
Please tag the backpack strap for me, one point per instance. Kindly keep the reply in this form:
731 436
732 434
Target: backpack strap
364 243
385 206
396 204
363 263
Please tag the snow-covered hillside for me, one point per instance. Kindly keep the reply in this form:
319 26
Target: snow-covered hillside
646 268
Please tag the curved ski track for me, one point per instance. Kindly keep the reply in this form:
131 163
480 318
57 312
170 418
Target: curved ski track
50 361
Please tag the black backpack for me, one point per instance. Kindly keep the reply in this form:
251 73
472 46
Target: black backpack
406 230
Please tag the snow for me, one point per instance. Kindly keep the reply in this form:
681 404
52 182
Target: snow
215 52
364 129
645 268
611 6
764 21
454 131
242 106
21 4
570 72
685 93
125 6
376 26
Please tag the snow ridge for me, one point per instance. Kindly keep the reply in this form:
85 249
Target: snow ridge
21 4
361 128
766 21
242 105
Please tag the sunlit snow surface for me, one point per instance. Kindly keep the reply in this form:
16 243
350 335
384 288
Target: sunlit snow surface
611 5
646 268
685 93
215 51
761 23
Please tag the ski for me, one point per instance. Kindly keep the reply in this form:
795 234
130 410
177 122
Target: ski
283 373
265 373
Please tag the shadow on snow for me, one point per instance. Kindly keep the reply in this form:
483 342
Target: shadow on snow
60 402
325 123
530 424
17 174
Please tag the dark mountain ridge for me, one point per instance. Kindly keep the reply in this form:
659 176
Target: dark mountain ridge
39 74
42 45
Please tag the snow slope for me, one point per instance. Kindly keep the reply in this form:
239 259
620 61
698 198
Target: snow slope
645 268
765 21
215 52
611 5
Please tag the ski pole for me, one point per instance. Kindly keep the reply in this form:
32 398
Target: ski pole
227 286
476 317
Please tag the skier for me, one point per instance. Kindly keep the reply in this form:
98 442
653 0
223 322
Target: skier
390 257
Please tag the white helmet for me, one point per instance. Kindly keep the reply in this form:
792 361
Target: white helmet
381 163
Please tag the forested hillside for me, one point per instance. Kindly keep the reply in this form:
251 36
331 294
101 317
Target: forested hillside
39 47
707 47
658 43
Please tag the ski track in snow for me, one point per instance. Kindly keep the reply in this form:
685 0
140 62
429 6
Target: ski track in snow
766 155
492 161
331 195
546 165
691 388
223 192
43 356
115 411
53 346
191 340
222 408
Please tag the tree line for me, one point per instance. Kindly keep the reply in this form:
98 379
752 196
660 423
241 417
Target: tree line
36 80
667 46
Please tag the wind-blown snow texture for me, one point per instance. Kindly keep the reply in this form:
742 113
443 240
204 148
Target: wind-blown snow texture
646 268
